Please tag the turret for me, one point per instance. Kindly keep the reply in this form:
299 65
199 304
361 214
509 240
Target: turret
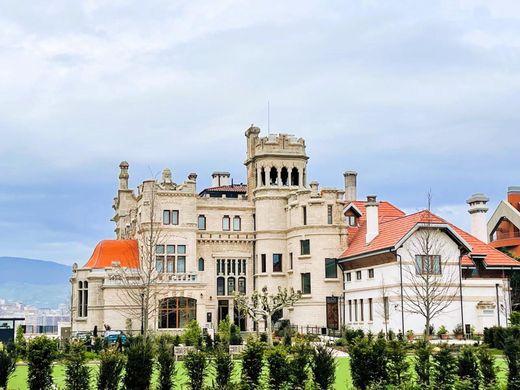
123 175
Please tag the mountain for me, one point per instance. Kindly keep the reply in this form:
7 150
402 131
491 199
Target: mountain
44 284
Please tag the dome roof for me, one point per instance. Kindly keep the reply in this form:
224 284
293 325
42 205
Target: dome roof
125 252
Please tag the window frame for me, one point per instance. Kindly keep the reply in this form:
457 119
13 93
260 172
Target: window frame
329 214
202 218
370 273
359 275
435 266
305 244
279 267
226 223
175 220
235 219
166 217
305 275
328 268
263 263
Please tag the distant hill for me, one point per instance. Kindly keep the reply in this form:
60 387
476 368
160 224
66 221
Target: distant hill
36 282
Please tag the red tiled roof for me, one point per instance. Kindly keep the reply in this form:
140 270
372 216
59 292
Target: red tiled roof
392 229
125 252
387 210
230 188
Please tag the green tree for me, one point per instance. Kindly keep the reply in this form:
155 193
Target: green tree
468 368
487 367
299 365
77 374
279 369
398 365
445 366
192 335
20 342
7 365
166 361
41 352
139 363
423 363
111 365
223 368
323 366
512 353
195 363
252 364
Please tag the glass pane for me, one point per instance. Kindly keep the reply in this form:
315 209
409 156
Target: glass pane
220 286
201 264
170 263
181 249
331 270
231 286
175 217
202 222
170 249
242 285
166 217
159 264
159 249
277 262
181 263
236 223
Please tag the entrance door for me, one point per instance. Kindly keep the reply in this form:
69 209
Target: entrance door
332 313
223 310
240 319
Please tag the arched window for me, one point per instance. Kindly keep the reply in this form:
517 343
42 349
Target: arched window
201 222
231 285
176 312
262 176
284 175
273 176
237 223
82 299
226 222
242 285
221 288
201 264
295 178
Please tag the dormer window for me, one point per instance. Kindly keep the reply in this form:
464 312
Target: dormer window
351 220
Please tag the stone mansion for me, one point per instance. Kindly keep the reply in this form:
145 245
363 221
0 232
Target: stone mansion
349 258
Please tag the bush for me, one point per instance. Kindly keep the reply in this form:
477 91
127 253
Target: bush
512 353
398 366
445 367
252 363
20 342
139 363
195 363
468 368
7 365
192 335
165 361
299 365
514 318
234 335
41 351
442 331
111 364
487 367
323 367
77 374
224 331
263 337
423 364
279 370
223 368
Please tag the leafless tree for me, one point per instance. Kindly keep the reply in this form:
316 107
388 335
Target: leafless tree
431 281
383 309
262 305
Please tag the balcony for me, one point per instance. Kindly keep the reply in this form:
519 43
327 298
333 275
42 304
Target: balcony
162 278
505 235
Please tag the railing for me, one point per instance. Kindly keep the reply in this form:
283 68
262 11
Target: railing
163 278
505 235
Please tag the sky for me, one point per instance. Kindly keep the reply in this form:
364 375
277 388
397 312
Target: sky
415 96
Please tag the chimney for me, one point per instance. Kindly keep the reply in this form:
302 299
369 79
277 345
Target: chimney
477 210
314 188
123 175
220 179
513 196
350 185
372 210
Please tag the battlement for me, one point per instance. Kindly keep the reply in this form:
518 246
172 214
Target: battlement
280 144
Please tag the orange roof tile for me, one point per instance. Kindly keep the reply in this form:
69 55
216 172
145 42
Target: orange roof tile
126 252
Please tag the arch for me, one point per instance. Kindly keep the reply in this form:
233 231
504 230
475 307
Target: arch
201 264
241 285
221 287
231 285
262 176
201 222
273 176
176 312
284 176
295 177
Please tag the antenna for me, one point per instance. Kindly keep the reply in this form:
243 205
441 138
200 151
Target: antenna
268 119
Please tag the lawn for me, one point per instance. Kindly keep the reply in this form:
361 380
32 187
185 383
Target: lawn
343 379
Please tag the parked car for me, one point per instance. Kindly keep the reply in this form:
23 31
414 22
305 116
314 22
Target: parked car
111 337
83 336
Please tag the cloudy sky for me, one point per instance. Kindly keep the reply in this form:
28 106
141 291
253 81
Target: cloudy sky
412 94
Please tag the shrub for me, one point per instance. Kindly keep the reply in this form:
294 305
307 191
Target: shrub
323 367
234 335
512 353
192 335
442 331
139 363
487 366
468 368
397 364
279 371
252 363
514 318
77 374
445 367
208 342
7 365
20 342
195 363
223 368
224 331
299 365
423 364
40 354
263 337
458 330
111 364
165 361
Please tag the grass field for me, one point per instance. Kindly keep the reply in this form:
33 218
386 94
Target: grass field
343 379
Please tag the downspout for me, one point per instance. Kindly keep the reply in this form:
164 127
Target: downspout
498 304
460 293
344 299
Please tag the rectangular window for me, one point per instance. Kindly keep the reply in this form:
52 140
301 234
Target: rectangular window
170 264
277 262
181 249
304 213
306 283
349 277
371 273
370 310
290 260
175 217
225 223
181 264
351 220
264 262
386 308
159 249
237 223
159 263
355 310
166 217
350 310
361 311
331 270
428 264
201 222
305 247
329 214
358 275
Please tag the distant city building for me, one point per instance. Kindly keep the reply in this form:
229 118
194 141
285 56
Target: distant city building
504 226
276 230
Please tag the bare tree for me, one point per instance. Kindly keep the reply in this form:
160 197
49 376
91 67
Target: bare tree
383 309
431 282
262 305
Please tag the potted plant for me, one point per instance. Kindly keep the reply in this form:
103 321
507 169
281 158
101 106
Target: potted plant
458 332
442 333
410 335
